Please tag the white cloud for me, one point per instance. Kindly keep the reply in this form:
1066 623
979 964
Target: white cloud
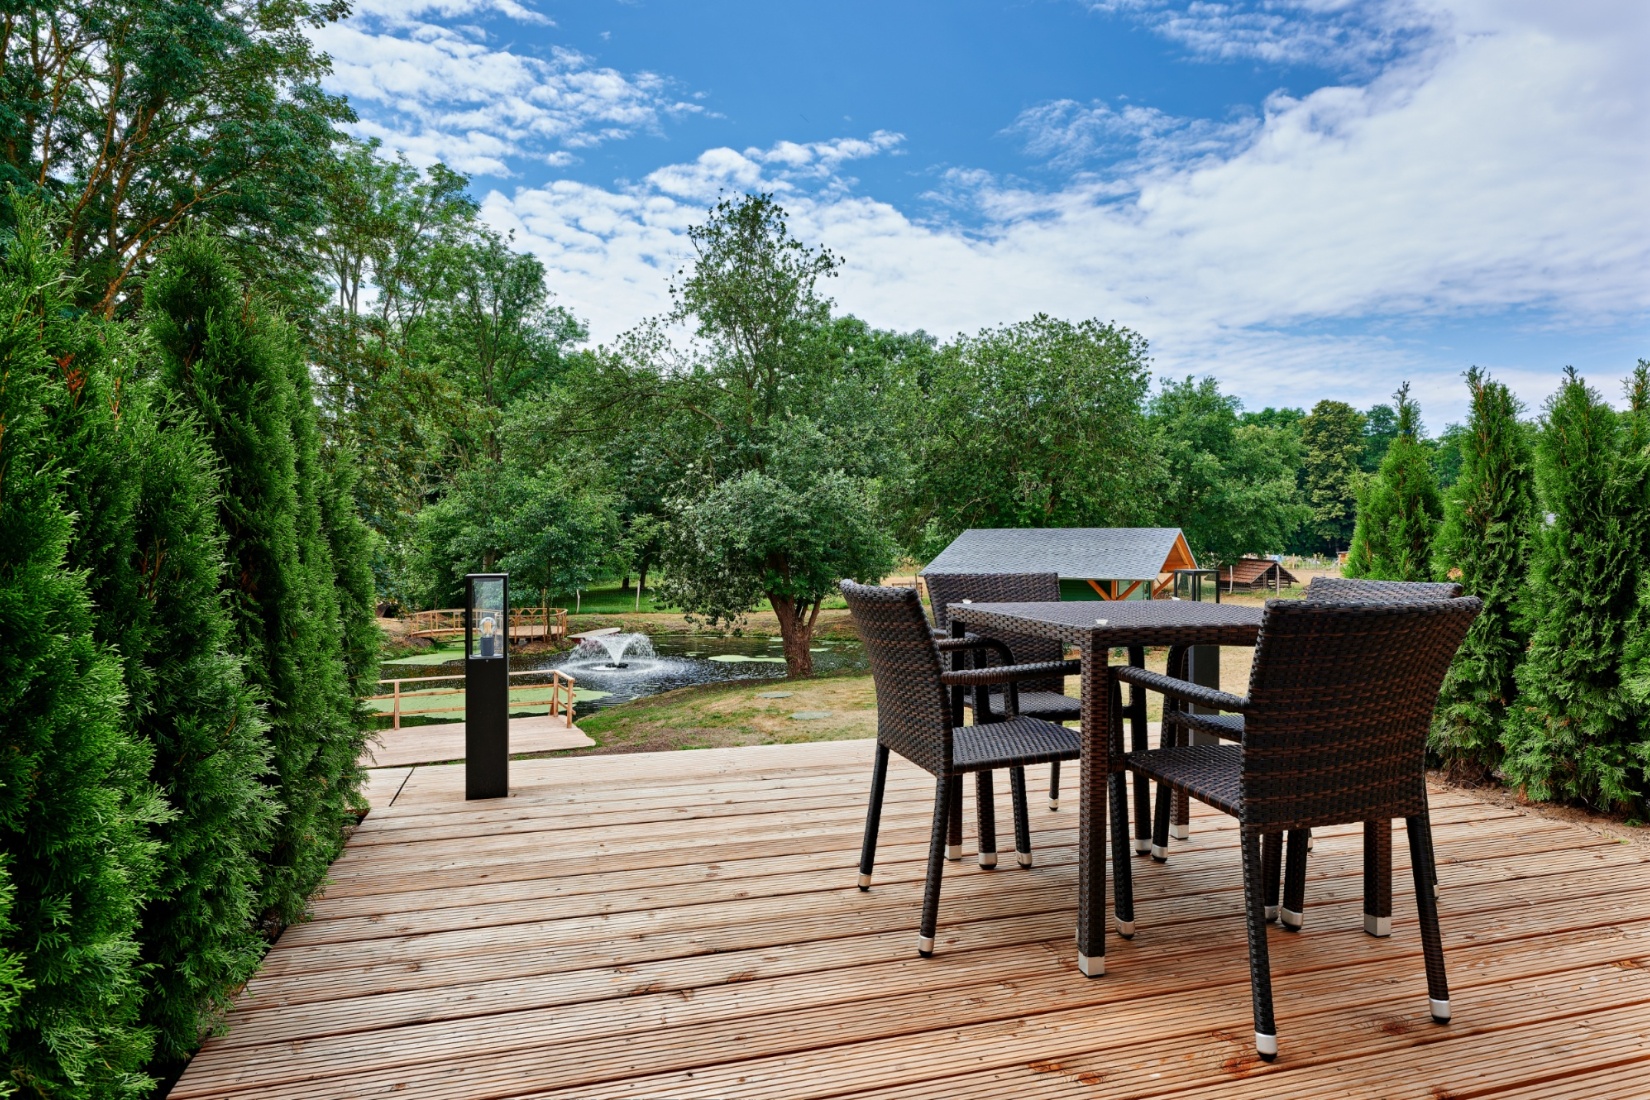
447 92
1502 173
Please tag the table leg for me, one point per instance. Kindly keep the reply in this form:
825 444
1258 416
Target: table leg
1091 834
1137 743
1378 877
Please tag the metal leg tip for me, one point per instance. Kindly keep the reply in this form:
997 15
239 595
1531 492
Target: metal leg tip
1440 1009
864 880
1309 842
1266 1046
1125 928
1291 919
1023 858
988 860
1271 913
1141 845
1180 832
1379 927
1091 968
1160 854
1054 803
953 851
925 946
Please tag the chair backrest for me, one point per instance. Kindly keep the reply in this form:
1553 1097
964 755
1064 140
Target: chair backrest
1351 590
1341 697
945 589
913 708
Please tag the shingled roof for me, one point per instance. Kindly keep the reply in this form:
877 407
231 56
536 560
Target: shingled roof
1075 553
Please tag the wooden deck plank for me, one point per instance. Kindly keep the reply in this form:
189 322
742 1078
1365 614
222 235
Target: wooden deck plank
443 741
684 924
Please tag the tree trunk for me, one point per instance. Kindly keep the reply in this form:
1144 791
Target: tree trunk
624 585
796 629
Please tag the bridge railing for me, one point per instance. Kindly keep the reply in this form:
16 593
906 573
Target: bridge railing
525 622
557 693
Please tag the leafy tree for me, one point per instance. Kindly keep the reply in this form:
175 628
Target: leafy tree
76 803
1574 733
1230 486
787 532
240 372
137 118
1332 445
1485 541
1037 424
1449 454
1398 508
1381 427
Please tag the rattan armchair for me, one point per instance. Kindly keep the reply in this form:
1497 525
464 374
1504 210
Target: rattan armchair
1335 726
919 709
1041 698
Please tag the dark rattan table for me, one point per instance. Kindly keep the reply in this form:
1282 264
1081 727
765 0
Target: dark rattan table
1095 628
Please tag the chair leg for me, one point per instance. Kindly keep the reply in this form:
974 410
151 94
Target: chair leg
1271 869
985 800
1421 856
1180 825
1054 785
873 817
936 865
1022 819
1378 877
1160 823
1294 880
1137 743
1123 886
1260 964
953 836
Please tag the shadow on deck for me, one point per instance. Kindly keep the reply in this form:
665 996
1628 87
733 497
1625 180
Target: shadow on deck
686 925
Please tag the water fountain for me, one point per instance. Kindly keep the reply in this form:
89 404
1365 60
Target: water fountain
617 647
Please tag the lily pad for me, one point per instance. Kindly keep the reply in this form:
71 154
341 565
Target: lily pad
775 694
740 658
810 715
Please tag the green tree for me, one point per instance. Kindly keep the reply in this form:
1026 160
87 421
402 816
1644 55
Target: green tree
787 532
1230 486
1037 424
76 803
137 118
1332 445
1636 658
1380 429
1485 541
239 370
1574 732
1399 508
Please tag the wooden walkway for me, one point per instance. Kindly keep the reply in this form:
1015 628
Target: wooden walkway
433 744
686 925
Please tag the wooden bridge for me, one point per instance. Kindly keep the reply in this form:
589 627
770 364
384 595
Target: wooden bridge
526 623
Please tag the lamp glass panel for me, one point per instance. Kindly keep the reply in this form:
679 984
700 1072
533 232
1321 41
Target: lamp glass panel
487 620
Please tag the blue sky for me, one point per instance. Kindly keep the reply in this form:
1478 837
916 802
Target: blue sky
1304 198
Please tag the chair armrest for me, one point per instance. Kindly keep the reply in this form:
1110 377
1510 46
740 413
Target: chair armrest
1008 674
1180 689
945 643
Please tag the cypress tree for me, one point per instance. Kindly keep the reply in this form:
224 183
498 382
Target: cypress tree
1572 734
1398 509
1636 660
76 804
12 984
1489 520
237 368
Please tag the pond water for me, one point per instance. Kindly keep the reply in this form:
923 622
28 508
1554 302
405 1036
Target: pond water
676 661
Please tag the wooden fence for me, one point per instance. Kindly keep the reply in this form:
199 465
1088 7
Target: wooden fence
561 689
525 623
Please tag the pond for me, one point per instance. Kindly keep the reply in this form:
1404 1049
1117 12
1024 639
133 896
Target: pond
662 662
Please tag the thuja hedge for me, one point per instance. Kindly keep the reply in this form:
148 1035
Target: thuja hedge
185 618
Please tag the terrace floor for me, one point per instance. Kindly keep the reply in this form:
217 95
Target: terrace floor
686 925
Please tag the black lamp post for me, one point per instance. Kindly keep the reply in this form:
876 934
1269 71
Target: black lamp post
487 685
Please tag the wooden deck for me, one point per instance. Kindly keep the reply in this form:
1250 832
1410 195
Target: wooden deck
445 741
686 925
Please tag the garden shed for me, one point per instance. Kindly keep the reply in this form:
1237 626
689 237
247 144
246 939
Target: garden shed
1094 563
1255 575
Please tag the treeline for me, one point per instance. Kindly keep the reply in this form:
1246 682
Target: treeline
1548 523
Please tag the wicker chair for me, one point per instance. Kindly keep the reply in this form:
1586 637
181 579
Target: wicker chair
1042 698
918 707
1336 720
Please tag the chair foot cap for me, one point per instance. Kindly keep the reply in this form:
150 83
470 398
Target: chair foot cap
864 881
988 860
1266 1046
925 946
1180 832
1091 968
1161 855
1309 842
1054 803
1440 1010
1125 928
1141 845
1271 913
1379 927
1023 858
1291 920
1435 889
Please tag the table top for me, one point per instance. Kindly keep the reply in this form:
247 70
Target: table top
1119 622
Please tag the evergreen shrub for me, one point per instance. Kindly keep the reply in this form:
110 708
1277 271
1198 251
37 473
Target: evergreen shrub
1398 508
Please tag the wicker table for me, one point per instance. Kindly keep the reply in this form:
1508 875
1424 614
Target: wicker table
1095 628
